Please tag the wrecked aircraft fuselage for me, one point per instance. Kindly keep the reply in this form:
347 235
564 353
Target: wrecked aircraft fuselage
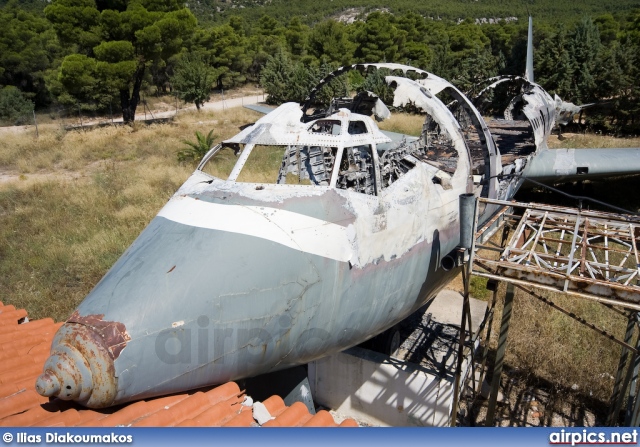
321 233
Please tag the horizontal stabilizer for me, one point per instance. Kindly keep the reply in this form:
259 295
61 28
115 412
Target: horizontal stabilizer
260 108
564 165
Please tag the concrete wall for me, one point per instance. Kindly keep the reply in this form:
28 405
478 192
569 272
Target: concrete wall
380 390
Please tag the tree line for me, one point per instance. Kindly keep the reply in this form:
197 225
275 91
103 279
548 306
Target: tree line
104 53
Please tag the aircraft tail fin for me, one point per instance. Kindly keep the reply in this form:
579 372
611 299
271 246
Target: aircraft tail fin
528 73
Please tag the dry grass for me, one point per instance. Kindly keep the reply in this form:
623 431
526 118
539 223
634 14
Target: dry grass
61 231
262 165
576 140
405 123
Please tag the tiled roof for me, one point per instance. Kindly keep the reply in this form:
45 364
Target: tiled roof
25 347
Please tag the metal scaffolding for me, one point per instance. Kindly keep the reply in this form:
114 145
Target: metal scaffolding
587 254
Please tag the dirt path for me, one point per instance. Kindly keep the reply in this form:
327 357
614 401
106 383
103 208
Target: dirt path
212 106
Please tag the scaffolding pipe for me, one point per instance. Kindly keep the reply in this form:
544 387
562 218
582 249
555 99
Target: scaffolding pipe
500 352
467 211
618 387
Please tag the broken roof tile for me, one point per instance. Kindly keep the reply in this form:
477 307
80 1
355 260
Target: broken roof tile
25 347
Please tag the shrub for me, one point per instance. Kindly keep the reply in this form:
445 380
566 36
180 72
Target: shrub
14 107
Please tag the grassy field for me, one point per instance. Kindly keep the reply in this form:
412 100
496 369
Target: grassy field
71 202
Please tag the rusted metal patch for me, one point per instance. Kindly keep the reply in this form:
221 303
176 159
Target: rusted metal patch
113 334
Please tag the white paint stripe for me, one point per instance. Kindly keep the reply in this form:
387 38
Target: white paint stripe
293 230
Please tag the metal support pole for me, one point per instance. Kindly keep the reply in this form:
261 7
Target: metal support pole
485 351
635 418
502 347
618 388
633 389
468 224
460 356
35 122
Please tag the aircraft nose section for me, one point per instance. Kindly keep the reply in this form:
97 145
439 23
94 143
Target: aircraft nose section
191 305
79 368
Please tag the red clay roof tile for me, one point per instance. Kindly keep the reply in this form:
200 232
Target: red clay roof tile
321 419
289 417
24 349
12 316
348 423
242 419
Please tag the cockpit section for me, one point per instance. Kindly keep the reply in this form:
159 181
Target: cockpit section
337 143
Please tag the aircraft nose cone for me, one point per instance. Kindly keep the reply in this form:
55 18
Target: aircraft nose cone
79 368
47 385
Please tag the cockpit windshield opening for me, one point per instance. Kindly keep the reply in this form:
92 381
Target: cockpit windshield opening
262 165
357 170
307 165
220 163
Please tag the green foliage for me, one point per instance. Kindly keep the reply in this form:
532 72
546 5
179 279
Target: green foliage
312 11
379 39
226 49
336 88
113 47
284 80
195 150
553 66
296 36
476 68
28 48
585 47
330 40
375 82
193 79
114 43
14 107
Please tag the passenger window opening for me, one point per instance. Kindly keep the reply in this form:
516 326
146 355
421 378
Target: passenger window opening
357 171
357 128
307 165
327 127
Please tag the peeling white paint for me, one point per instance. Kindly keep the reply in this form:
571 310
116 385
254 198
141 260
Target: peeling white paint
291 229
